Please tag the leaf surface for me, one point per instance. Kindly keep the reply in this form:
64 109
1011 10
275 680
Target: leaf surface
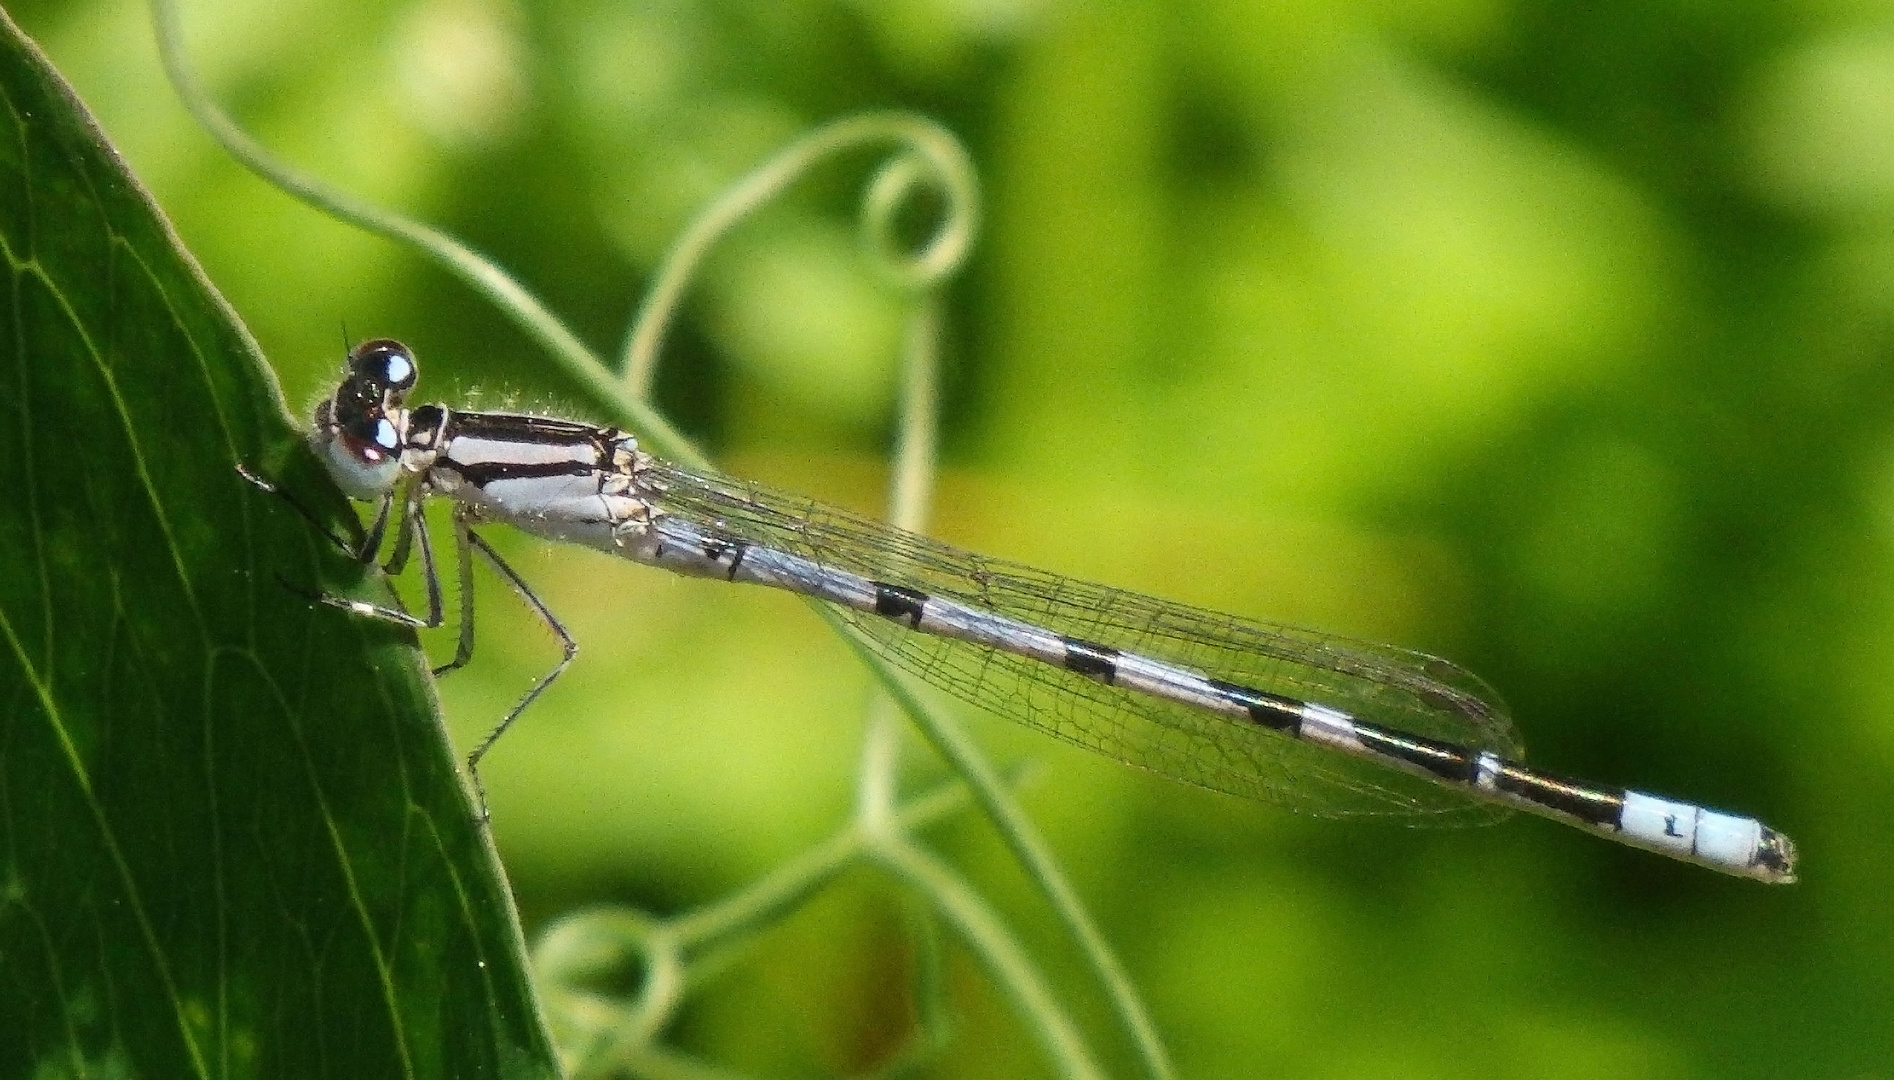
233 841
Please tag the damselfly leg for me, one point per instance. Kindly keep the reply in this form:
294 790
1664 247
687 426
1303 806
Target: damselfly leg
411 536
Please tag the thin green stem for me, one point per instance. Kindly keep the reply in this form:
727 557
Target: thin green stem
592 945
877 778
910 492
946 165
912 489
1020 835
780 890
986 934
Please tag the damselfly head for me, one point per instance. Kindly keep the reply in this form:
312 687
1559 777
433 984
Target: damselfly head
359 431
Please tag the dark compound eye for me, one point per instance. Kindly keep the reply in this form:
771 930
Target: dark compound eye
384 362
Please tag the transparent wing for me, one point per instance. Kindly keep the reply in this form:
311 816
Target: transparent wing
1383 684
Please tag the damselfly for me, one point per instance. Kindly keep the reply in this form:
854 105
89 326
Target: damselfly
1308 720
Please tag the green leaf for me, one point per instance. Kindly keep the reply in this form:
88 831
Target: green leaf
233 840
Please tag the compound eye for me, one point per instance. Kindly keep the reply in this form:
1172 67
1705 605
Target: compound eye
385 362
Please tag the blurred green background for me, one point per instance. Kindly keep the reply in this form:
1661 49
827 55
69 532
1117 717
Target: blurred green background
1558 339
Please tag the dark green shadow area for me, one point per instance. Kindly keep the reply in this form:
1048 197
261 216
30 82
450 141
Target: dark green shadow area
233 841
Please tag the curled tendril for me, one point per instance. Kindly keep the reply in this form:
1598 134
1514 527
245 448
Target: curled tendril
930 265
928 156
581 951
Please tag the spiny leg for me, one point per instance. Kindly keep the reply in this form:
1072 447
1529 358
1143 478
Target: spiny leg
371 540
362 552
463 559
411 533
411 521
468 539
414 534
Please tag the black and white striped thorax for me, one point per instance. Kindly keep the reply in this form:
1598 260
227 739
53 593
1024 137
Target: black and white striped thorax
555 478
1309 720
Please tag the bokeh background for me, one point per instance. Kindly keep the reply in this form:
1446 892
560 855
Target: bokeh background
1555 338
